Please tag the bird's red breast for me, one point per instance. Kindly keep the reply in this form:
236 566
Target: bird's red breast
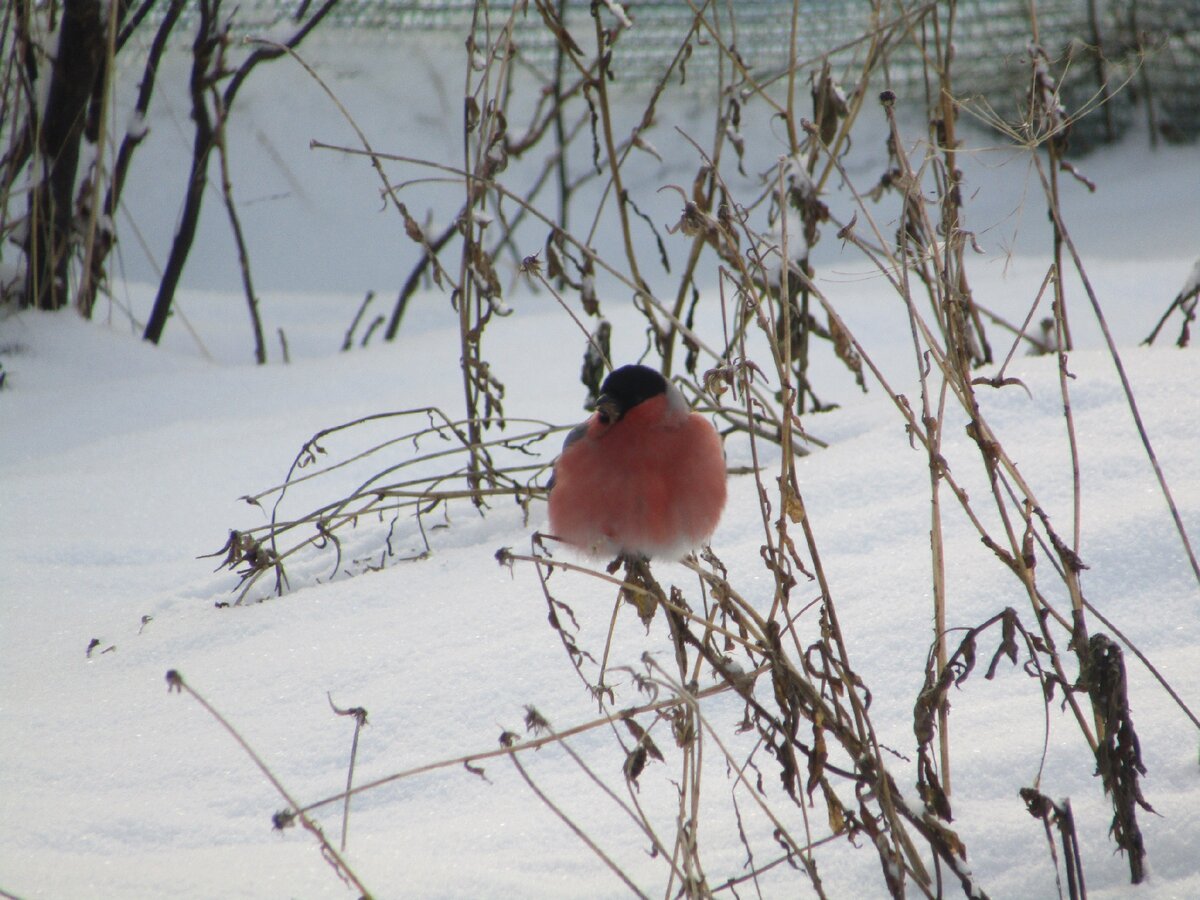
650 483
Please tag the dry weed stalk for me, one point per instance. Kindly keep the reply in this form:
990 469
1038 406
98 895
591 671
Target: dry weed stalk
359 714
176 684
1185 301
438 477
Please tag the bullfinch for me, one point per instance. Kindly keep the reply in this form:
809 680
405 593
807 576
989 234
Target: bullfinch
644 476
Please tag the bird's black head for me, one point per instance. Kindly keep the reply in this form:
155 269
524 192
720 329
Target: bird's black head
625 388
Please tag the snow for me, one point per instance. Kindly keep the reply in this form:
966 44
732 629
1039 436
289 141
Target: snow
12 271
121 464
1192 285
135 126
618 13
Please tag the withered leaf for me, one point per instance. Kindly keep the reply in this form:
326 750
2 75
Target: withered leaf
635 762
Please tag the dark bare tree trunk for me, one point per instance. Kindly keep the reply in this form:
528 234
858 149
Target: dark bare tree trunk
76 65
207 38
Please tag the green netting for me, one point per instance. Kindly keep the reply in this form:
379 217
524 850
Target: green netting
1137 50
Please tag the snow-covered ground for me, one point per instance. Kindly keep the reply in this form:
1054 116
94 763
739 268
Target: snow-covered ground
121 464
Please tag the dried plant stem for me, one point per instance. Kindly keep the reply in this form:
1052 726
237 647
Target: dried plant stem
635 814
803 850
1115 355
752 617
614 165
575 829
360 719
260 347
175 683
996 461
938 561
533 744
950 197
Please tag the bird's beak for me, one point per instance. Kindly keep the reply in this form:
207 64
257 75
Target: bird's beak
607 409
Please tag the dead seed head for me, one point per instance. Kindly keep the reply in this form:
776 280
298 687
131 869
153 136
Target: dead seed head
532 265
534 721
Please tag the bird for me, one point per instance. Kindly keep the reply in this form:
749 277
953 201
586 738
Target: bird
644 476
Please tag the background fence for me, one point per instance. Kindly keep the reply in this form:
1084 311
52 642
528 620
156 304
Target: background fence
1143 53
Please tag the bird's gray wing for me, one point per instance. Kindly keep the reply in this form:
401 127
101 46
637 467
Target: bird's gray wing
572 436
